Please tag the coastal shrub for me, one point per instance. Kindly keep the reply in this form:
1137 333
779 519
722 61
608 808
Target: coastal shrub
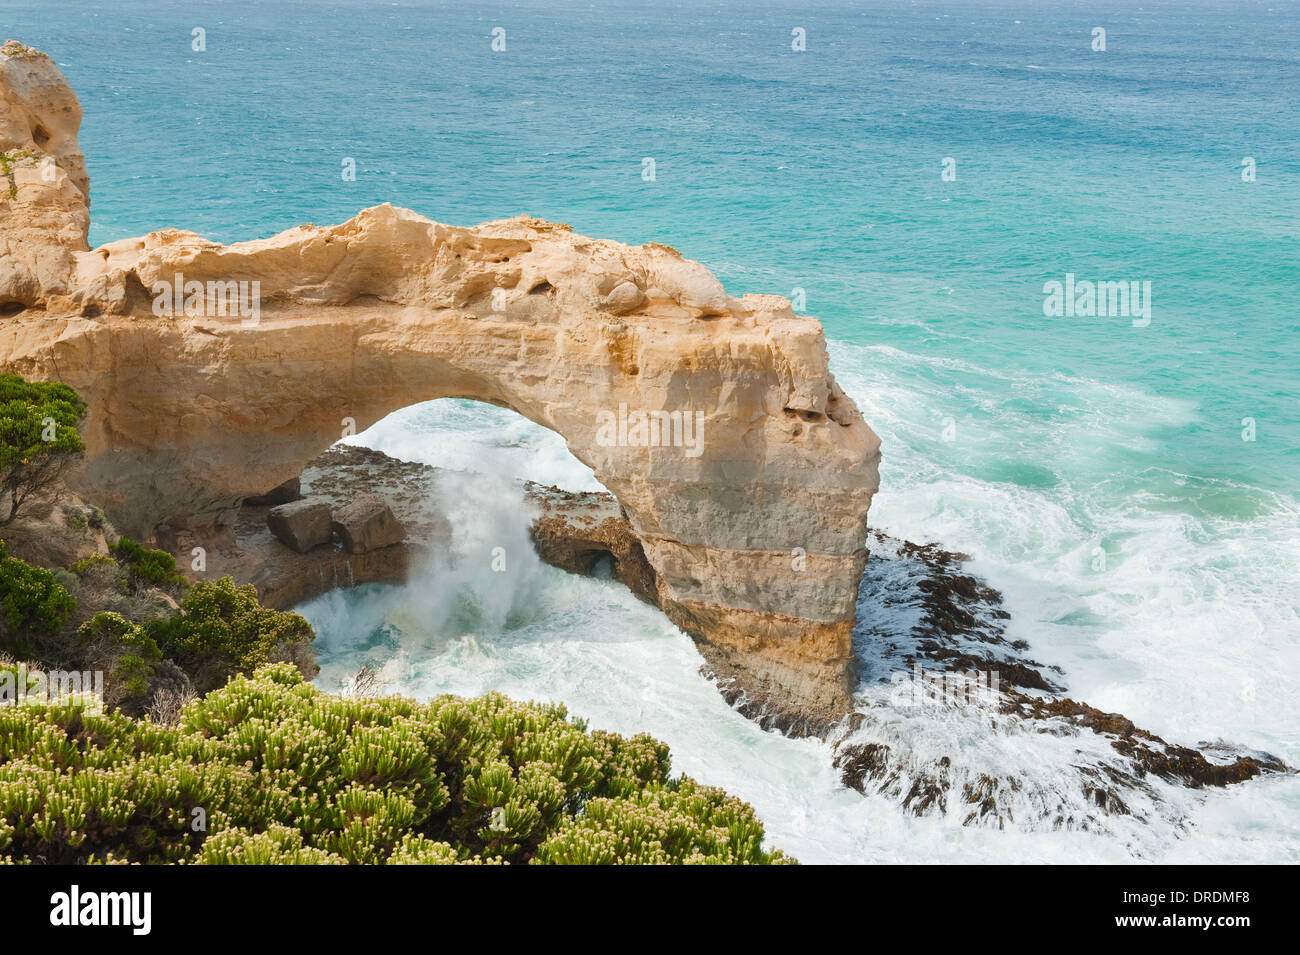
689 824
224 629
147 568
124 650
94 560
15 679
33 607
38 438
65 578
269 770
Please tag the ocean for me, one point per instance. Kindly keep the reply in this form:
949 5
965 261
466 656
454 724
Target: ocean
917 175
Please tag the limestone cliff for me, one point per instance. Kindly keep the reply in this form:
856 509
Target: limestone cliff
215 372
44 190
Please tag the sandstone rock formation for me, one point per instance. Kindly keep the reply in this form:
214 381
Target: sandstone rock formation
576 530
44 189
214 373
367 523
301 525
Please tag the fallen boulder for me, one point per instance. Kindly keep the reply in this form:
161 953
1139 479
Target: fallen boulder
300 525
367 524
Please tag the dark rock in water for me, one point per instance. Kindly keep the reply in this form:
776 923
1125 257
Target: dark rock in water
1177 764
916 606
300 525
289 491
367 524
951 713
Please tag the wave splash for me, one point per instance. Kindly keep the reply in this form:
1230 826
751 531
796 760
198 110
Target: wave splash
1040 788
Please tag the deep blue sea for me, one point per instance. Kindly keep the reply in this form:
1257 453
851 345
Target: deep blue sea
1132 488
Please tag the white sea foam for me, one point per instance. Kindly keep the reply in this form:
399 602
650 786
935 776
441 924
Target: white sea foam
1192 625
1190 629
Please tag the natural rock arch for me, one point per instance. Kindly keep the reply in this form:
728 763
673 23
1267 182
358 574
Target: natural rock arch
756 533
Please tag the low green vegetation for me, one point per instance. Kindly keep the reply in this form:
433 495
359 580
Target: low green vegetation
38 438
218 630
94 560
132 652
270 770
223 629
147 568
33 607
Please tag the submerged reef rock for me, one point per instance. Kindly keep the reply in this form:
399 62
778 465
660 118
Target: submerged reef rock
215 373
953 718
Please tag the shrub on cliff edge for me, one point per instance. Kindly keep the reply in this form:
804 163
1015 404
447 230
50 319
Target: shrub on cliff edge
33 607
38 438
125 650
147 568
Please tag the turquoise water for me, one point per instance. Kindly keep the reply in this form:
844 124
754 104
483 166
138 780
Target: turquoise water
1096 471
818 170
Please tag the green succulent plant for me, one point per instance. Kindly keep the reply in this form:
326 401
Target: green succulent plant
279 773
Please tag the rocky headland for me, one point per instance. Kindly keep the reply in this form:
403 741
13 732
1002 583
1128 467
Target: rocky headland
215 373
219 379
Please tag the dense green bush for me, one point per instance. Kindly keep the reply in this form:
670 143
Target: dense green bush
94 560
219 630
33 607
145 567
224 629
132 652
38 437
282 773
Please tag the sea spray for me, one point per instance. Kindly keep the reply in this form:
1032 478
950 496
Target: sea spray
483 581
461 435
487 579
619 663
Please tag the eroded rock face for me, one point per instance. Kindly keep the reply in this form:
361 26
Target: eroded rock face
44 190
742 468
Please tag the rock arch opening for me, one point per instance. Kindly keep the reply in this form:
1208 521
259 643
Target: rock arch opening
573 522
755 529
461 434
